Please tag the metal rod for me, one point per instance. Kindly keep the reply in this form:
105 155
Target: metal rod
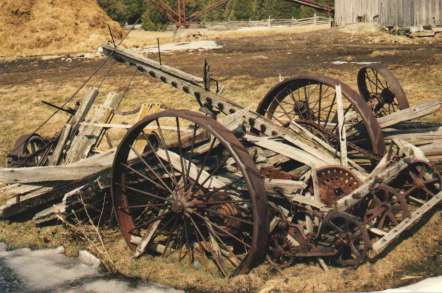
112 36
69 110
159 51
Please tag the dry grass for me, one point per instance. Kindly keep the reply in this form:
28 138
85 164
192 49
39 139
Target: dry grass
37 27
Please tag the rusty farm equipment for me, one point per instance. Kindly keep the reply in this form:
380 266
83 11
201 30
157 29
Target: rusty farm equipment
318 171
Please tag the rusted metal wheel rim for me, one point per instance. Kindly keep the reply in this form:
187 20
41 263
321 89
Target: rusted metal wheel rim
27 151
381 89
233 215
367 137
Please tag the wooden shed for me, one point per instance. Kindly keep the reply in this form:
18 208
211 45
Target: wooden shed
401 13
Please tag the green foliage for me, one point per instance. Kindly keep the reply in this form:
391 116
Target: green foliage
128 11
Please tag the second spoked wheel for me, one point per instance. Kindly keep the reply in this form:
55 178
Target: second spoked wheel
381 89
311 101
184 187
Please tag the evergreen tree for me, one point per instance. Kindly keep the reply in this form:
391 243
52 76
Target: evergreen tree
128 11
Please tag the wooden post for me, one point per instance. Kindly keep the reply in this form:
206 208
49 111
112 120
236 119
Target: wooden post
88 136
145 110
72 126
341 127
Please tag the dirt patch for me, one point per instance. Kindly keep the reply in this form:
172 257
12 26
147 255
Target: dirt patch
36 27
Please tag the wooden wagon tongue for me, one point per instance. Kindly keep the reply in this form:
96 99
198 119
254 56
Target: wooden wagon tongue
245 183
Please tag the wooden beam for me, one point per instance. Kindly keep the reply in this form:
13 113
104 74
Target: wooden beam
411 113
72 126
341 127
283 186
175 160
87 136
77 171
291 152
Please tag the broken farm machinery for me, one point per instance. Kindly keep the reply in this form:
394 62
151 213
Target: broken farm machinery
318 171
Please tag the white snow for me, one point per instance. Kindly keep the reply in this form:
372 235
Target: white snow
50 270
339 62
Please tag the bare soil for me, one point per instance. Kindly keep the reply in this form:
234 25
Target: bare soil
247 66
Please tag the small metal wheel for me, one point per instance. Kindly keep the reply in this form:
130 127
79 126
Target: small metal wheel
185 188
28 151
380 88
419 182
386 207
335 182
348 235
310 100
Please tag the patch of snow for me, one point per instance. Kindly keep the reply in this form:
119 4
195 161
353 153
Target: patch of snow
105 286
88 258
338 62
45 269
50 270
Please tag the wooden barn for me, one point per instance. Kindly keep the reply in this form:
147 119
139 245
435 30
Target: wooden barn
391 13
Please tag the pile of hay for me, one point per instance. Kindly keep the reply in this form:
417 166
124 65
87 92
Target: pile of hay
39 27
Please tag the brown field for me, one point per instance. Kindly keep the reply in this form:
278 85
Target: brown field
247 65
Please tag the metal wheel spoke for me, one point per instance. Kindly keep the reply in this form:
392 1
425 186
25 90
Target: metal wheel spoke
222 229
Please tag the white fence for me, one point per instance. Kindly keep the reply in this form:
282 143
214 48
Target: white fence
270 22
222 25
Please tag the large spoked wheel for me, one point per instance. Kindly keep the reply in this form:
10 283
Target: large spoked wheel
185 188
381 89
310 101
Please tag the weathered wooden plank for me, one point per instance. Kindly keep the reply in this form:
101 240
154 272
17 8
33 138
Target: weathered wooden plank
80 170
72 126
283 186
411 113
341 127
146 109
308 201
417 136
147 238
175 161
87 136
49 173
293 153
34 200
49 215
54 159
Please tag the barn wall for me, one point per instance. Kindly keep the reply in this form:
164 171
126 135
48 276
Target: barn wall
352 11
404 13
